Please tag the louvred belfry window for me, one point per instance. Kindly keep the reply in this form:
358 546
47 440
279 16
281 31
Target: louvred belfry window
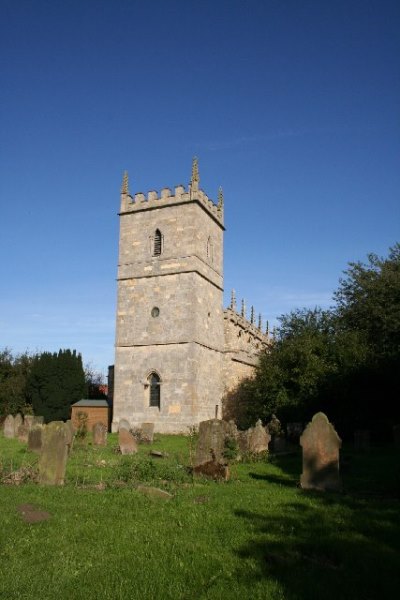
157 243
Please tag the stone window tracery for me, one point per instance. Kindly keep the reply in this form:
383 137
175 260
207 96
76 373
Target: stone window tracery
154 388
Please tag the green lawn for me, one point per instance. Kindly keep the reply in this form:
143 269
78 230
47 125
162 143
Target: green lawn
257 536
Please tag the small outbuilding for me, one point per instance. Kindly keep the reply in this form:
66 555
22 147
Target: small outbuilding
97 411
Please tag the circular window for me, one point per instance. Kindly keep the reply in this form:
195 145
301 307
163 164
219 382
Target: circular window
155 311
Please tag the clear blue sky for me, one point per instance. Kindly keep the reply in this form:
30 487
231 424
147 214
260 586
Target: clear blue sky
291 105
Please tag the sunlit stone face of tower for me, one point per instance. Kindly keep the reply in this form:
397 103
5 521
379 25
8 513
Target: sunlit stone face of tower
170 321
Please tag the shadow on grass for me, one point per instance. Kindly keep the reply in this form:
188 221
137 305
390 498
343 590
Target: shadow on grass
326 545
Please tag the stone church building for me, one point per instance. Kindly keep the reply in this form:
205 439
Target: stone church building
178 351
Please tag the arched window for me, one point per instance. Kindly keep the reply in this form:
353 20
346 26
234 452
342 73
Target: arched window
157 243
154 390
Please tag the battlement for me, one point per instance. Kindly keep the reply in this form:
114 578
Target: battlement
181 195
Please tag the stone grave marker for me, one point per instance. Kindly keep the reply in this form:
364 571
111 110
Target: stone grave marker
54 453
18 420
147 433
99 434
211 441
28 421
320 444
8 427
39 420
127 443
258 439
124 424
23 432
35 438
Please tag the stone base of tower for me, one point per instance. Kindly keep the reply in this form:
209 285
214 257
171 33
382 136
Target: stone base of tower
190 386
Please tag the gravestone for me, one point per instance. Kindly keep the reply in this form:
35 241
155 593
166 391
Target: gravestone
39 420
124 424
127 443
361 440
28 421
18 420
147 433
211 441
8 427
99 434
23 432
54 453
35 438
321 445
258 439
274 428
254 440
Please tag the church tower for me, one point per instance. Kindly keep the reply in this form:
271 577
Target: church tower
170 319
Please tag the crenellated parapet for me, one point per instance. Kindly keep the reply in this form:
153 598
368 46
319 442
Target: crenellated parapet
180 195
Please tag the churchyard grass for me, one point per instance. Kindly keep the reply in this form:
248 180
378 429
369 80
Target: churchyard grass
257 536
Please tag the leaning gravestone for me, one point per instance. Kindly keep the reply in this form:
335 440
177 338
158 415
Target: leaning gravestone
124 424
18 420
127 443
54 453
147 433
8 427
35 438
321 445
99 434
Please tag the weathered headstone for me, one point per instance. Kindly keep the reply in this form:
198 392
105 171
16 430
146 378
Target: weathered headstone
35 438
18 420
23 432
127 443
211 441
124 424
99 434
321 445
147 433
54 454
258 439
361 440
39 420
28 421
8 427
274 428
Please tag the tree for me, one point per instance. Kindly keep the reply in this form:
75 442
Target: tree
344 361
14 372
55 383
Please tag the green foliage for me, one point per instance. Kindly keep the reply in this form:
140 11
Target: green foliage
341 360
14 372
56 381
231 449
